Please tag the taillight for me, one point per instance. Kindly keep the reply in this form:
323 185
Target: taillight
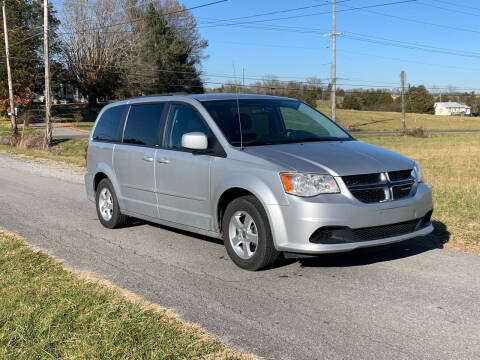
86 155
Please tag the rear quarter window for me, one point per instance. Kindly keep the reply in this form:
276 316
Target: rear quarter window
110 125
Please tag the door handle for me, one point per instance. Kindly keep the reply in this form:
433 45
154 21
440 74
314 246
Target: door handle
163 161
147 158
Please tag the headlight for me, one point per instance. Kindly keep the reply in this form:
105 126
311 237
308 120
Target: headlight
417 172
308 184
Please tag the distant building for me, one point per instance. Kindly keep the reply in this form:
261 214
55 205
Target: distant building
69 93
451 108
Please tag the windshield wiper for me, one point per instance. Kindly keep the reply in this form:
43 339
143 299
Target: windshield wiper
258 142
312 139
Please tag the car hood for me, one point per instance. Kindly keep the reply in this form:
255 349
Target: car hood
338 158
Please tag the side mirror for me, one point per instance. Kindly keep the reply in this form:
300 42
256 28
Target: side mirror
195 141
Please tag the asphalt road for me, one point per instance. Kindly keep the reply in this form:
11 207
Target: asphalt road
61 132
427 131
413 301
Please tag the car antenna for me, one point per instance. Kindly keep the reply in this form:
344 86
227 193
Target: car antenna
238 108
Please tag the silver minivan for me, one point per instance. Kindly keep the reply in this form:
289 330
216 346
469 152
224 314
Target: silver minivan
267 174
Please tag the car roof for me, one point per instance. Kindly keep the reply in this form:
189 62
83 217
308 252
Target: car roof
199 97
233 96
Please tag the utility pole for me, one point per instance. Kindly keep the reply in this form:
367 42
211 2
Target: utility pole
243 78
48 124
9 73
402 81
333 93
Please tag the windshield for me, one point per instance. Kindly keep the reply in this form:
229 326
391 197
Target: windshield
271 121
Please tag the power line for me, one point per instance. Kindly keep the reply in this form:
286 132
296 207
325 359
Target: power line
117 24
141 19
314 14
362 37
275 12
443 26
457 5
447 9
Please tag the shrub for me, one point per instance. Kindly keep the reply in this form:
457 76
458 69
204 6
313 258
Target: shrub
77 118
417 132
27 118
31 142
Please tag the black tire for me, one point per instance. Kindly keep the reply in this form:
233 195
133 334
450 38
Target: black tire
265 253
117 218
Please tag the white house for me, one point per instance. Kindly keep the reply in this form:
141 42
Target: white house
451 108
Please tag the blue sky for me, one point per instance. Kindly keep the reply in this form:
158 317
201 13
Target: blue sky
298 55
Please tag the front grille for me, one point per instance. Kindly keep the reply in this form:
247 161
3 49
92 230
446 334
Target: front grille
379 187
401 191
369 195
361 179
400 175
344 235
385 231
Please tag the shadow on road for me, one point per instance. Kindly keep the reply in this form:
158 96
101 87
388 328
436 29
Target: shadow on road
359 257
366 256
138 222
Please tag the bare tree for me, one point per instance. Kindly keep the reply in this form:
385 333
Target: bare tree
95 45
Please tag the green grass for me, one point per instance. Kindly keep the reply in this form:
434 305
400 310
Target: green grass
86 126
357 120
68 151
5 128
451 165
47 312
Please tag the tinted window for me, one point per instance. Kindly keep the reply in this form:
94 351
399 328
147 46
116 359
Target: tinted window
272 121
182 119
143 124
110 125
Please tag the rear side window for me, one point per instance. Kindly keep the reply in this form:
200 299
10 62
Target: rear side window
143 124
110 125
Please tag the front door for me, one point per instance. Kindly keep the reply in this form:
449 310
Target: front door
183 176
134 159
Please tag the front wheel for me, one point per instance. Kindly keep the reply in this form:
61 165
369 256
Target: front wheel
108 210
247 235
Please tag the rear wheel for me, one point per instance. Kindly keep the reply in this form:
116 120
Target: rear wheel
108 210
246 234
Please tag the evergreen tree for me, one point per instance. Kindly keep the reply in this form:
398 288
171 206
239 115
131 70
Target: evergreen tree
25 30
419 100
350 101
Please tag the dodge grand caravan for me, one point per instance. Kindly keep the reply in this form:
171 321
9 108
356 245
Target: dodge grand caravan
267 174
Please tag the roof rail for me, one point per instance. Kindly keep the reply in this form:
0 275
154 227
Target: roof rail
155 95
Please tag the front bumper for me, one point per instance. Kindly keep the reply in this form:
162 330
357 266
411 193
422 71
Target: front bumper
293 225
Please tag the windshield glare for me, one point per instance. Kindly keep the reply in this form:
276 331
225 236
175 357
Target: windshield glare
267 121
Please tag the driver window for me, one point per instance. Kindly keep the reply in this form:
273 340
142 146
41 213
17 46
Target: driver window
182 119
298 121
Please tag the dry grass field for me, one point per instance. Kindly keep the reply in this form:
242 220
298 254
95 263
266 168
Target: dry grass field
356 120
451 166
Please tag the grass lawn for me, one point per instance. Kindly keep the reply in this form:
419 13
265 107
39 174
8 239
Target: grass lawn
5 128
68 151
451 165
383 121
50 313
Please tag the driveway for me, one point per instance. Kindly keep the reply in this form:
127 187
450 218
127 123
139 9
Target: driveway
427 131
62 132
414 301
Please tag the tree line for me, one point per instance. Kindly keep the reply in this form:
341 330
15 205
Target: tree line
417 99
106 49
